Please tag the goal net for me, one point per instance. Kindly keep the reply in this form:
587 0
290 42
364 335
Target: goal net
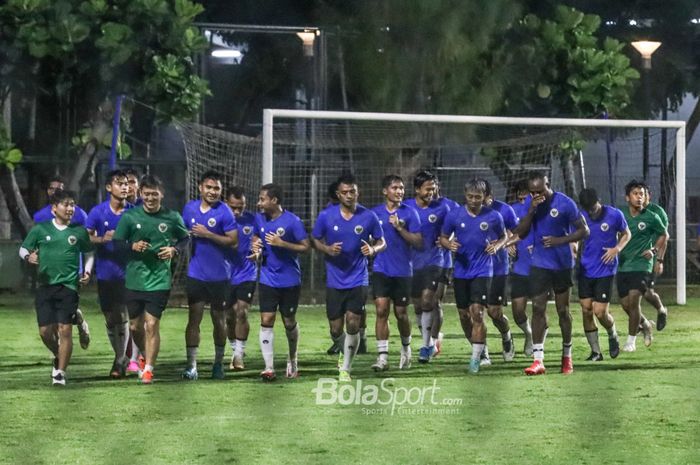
304 151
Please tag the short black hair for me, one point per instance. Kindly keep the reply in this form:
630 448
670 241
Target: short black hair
151 182
422 177
114 174
131 172
635 184
488 186
476 184
346 178
235 192
534 175
274 191
521 186
60 196
587 198
55 178
210 174
389 179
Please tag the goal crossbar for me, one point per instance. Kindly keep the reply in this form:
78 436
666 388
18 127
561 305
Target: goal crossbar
269 116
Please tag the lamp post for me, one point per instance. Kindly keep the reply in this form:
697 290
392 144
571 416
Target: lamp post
646 49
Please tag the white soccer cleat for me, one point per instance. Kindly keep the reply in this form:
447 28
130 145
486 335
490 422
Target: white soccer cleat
629 347
59 379
292 368
405 360
528 346
508 350
646 331
381 364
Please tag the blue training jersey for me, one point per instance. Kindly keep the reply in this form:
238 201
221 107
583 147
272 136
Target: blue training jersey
109 264
395 260
349 268
45 214
243 269
473 234
523 259
604 231
208 259
554 218
280 267
431 220
510 221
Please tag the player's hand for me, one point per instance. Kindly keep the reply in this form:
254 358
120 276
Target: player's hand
366 249
658 268
334 249
140 246
551 241
199 230
108 236
397 223
453 245
512 251
536 201
84 279
33 258
610 254
492 248
167 252
648 254
273 239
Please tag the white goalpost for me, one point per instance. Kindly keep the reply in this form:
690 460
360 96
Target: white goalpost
307 148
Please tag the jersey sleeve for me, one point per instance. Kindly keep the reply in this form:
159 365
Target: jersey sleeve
179 229
228 220
93 218
375 227
298 230
572 212
319 231
30 242
79 217
448 225
84 241
621 221
658 225
510 220
499 225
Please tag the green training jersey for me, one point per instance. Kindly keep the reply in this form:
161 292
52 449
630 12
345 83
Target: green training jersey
646 228
144 270
655 208
59 252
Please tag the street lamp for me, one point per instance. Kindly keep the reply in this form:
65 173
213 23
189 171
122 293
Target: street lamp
308 37
646 49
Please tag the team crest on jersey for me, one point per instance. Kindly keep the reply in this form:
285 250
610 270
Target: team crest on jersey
211 222
162 227
432 218
359 229
642 226
247 230
280 231
553 212
483 226
604 227
72 240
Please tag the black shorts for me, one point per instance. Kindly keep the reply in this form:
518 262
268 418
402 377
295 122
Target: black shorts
339 301
651 281
284 299
632 280
598 289
445 276
471 291
212 292
55 304
426 278
242 291
397 289
112 295
519 286
151 302
543 280
497 291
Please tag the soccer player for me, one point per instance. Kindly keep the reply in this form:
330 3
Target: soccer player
55 246
497 290
244 273
444 281
152 235
132 177
391 277
556 222
599 259
213 230
427 260
469 233
282 239
649 238
109 268
343 233
46 213
521 256
650 295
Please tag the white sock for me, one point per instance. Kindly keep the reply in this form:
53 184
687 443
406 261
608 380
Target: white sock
352 342
406 341
484 349
293 340
238 348
426 326
632 340
148 368
538 351
566 349
192 357
267 340
135 352
219 353
592 337
383 349
525 327
476 351
232 344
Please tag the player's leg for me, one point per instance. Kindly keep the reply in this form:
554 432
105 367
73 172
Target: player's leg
651 296
335 312
289 303
151 325
519 295
46 320
400 295
355 307
601 306
196 301
381 288
589 327
244 296
496 300
362 348
269 303
427 304
540 285
438 312
110 294
65 305
217 297
461 288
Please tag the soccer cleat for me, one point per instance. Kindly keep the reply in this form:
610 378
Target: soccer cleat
132 367
528 346
118 370
595 357
613 347
484 359
474 366
508 350
567 365
424 354
268 375
237 364
381 364
217 371
344 376
405 360
661 319
646 330
59 379
146 377
537 368
189 373
292 369
83 329
629 347
438 344
334 349
362 346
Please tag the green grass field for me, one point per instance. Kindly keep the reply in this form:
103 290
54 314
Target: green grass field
641 408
